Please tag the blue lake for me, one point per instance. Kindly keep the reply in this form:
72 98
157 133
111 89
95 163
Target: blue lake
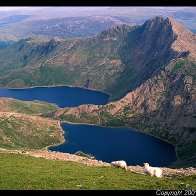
63 96
110 144
106 144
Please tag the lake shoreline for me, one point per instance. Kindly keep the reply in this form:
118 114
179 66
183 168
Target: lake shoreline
124 127
60 88
62 132
175 146
53 86
116 127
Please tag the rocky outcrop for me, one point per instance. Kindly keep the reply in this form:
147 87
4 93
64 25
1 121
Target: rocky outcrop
115 32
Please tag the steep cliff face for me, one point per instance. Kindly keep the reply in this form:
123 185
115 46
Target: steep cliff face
185 41
150 47
160 35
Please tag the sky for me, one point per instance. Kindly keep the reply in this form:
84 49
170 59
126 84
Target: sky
15 8
4 8
35 8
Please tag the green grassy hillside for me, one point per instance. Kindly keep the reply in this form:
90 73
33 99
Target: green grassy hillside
21 127
26 107
27 173
43 61
25 131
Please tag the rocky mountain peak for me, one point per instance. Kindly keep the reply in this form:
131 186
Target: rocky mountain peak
176 26
115 32
185 40
169 33
168 23
154 22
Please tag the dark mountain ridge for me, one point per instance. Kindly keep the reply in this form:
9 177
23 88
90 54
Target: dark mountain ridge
116 61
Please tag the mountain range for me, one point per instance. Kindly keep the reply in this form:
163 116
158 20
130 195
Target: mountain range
129 55
67 22
149 71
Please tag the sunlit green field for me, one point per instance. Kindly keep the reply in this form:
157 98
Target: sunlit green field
25 172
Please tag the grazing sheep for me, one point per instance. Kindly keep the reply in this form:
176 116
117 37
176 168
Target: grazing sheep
121 164
152 171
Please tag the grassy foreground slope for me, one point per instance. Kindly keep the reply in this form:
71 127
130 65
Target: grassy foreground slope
45 174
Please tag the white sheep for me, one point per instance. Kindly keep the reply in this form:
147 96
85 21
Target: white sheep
153 171
121 164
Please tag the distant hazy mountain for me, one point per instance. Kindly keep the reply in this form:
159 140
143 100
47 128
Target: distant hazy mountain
67 22
74 27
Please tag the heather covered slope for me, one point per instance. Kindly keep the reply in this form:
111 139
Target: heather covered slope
116 61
